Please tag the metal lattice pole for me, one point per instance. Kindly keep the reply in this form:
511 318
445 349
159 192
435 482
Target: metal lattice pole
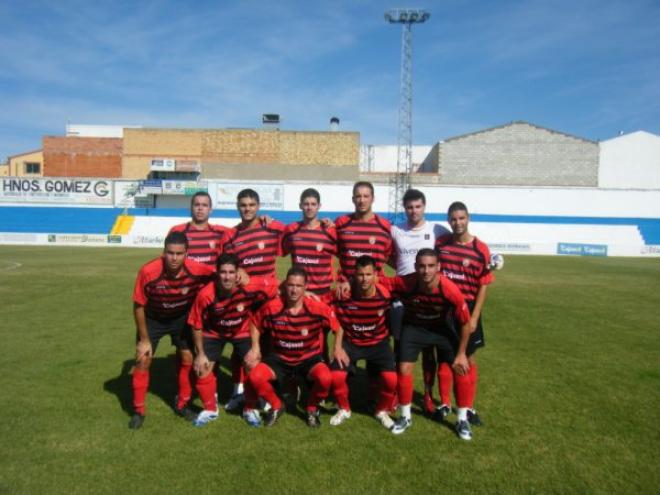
401 179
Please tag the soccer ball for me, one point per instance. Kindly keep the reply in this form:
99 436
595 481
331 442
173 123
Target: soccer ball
496 261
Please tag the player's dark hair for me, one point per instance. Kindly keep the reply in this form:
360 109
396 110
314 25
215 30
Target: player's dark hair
226 259
176 238
425 252
248 193
199 194
363 183
365 260
310 193
413 195
296 271
457 206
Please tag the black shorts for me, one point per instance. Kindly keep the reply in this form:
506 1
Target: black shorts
284 371
213 347
396 320
477 338
379 357
177 328
415 338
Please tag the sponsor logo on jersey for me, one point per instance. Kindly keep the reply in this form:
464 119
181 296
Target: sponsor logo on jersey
290 345
240 307
466 262
307 261
254 260
261 245
200 259
319 247
364 328
174 304
212 244
304 332
372 240
357 254
231 323
427 237
184 290
454 276
381 312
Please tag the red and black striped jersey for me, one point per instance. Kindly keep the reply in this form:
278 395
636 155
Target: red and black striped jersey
428 309
365 320
204 245
467 265
359 237
312 249
257 247
165 297
228 316
295 338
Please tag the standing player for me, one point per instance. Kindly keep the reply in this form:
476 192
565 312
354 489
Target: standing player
363 232
294 324
205 241
429 300
364 334
409 237
220 315
256 245
164 292
466 261
312 245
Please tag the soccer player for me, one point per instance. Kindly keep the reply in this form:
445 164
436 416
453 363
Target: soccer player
205 241
466 261
429 300
409 237
257 245
294 324
165 289
220 315
363 232
312 245
364 334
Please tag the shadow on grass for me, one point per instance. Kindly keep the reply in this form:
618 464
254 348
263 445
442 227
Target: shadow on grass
162 382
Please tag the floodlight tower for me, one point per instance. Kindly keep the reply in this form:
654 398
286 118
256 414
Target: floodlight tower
401 182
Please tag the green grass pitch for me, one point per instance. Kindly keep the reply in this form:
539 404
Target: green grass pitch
569 394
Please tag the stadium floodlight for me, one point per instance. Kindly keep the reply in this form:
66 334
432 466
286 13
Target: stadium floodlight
401 182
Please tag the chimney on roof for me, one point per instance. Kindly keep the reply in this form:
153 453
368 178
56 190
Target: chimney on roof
334 124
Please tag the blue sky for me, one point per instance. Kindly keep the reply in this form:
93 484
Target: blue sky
584 67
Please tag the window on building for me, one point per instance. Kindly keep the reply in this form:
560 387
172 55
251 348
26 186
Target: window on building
32 168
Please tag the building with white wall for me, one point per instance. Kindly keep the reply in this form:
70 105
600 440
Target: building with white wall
630 161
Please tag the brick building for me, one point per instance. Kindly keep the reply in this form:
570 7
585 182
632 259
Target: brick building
69 156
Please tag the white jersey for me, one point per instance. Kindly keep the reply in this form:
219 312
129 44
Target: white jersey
407 242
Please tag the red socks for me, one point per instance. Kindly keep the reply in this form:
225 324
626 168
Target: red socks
387 391
206 388
140 386
185 383
405 387
322 379
340 389
445 382
259 378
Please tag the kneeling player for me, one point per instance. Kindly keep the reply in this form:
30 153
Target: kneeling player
221 314
294 324
430 299
164 292
363 316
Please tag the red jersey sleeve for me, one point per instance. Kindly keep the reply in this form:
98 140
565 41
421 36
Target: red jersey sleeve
281 228
285 244
487 277
393 284
257 318
264 289
203 299
139 297
453 294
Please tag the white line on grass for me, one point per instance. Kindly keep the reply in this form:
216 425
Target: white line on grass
11 265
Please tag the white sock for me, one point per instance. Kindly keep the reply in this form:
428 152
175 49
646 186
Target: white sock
238 388
462 413
405 411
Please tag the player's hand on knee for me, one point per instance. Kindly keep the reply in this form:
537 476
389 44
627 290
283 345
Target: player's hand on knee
201 364
461 366
252 358
143 350
339 355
